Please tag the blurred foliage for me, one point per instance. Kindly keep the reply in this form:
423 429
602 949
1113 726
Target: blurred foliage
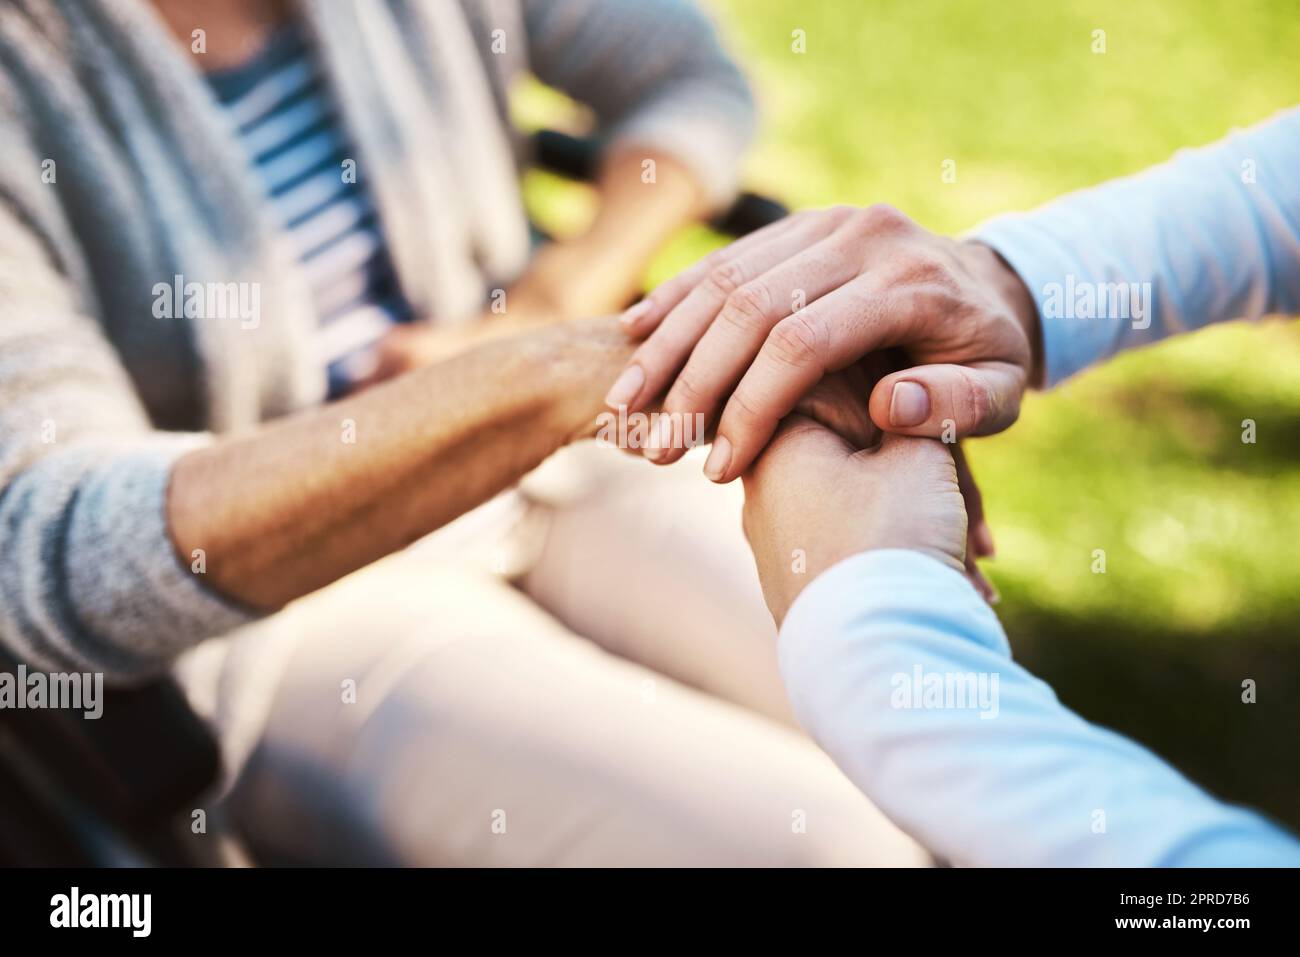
1143 458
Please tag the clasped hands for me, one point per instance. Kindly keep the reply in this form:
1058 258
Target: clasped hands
842 353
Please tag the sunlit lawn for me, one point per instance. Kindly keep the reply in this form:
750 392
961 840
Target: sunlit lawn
1143 459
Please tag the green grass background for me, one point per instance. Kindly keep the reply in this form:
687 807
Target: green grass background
1142 458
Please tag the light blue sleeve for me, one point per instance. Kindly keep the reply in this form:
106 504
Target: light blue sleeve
1211 235
903 674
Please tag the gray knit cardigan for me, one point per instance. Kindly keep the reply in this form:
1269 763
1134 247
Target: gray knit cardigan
117 174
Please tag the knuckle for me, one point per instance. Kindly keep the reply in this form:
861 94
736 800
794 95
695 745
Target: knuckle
980 402
726 277
795 341
749 305
686 393
668 291
883 217
716 258
741 409
841 213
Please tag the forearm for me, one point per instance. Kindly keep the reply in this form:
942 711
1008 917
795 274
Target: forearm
644 198
298 503
902 673
656 77
1209 236
1010 288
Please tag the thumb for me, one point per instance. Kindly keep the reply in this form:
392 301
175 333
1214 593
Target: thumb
911 459
917 486
949 401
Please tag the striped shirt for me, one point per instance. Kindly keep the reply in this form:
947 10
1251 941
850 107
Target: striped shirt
281 109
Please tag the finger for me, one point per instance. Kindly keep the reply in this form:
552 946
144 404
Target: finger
979 539
658 359
729 344
949 401
979 536
918 457
642 318
827 335
982 585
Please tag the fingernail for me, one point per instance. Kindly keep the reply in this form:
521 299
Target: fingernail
626 387
662 440
634 312
984 540
909 405
719 458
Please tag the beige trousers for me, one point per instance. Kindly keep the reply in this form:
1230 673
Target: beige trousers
619 704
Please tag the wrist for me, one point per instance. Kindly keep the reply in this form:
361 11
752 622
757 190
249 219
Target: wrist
1005 283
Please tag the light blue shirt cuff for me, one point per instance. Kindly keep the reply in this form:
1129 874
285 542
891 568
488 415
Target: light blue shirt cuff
1044 264
898 668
